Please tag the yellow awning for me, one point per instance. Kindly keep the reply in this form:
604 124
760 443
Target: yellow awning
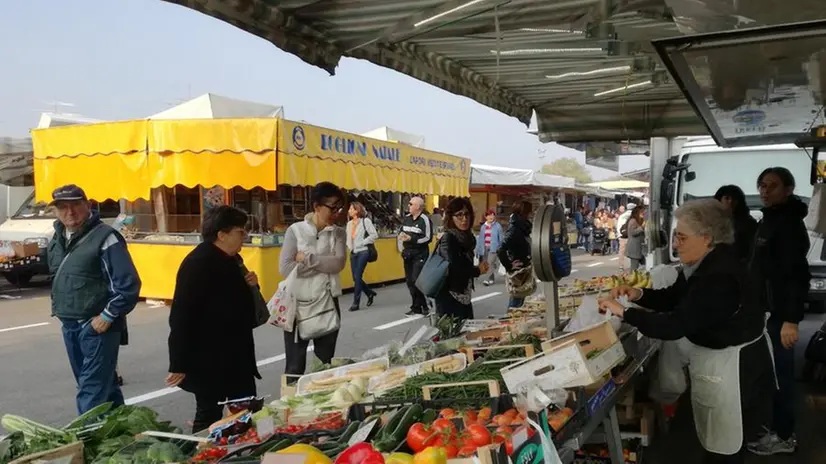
310 154
106 138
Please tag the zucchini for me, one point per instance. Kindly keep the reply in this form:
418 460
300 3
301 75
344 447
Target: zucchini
332 453
391 424
351 430
393 439
271 448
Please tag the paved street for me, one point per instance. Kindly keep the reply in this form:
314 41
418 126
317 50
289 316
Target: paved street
37 383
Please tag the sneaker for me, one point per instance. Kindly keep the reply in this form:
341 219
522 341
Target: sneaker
770 444
487 283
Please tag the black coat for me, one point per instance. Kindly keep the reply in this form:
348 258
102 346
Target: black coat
745 230
516 246
459 255
211 323
715 307
779 264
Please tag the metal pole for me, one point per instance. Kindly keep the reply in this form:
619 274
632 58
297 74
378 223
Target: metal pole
613 437
551 290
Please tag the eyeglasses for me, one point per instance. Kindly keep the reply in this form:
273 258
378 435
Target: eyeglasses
462 215
333 208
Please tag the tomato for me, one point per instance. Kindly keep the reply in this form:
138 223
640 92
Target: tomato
445 427
501 420
479 435
452 450
418 437
471 416
511 413
484 414
447 413
509 447
467 451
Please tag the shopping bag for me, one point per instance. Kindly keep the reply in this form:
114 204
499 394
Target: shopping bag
587 314
283 305
521 282
433 275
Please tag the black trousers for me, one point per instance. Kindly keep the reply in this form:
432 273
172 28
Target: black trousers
296 350
207 409
783 420
413 263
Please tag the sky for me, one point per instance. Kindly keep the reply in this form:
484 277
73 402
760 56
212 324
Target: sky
125 59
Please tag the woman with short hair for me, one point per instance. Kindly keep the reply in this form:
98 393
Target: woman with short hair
316 248
213 305
713 305
361 235
457 246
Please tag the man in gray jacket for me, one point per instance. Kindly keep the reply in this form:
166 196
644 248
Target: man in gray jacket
94 286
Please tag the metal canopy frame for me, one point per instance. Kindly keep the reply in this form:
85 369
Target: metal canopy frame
672 53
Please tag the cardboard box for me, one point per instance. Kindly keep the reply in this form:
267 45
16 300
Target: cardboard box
24 250
564 361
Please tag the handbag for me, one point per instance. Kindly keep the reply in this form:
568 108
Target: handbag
283 304
521 282
433 275
372 252
262 312
318 317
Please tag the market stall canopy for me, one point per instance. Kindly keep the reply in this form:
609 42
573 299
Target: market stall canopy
586 67
389 134
210 106
15 158
309 154
497 175
620 184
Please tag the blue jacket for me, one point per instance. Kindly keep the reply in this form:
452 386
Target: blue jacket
578 219
495 238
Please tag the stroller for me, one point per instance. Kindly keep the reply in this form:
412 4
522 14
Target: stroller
600 242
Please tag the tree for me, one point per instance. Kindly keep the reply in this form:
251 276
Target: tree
568 167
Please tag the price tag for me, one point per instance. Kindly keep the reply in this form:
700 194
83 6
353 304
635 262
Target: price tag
363 433
265 427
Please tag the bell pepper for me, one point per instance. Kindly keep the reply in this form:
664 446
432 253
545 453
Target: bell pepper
360 453
431 455
399 458
311 454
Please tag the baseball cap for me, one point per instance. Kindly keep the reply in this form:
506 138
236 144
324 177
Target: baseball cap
70 192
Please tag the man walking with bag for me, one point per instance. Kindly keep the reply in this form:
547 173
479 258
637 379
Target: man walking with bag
416 234
94 286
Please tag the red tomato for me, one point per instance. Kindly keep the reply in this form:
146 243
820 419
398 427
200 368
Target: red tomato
447 413
467 451
505 430
484 414
418 437
452 450
471 416
511 413
479 435
445 427
509 447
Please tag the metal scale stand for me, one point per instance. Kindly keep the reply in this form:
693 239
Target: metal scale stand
549 240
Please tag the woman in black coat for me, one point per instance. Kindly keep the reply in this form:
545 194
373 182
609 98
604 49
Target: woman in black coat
211 346
745 226
515 251
713 305
457 245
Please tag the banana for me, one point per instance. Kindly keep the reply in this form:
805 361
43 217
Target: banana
632 280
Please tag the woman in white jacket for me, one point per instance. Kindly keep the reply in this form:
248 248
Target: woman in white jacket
361 236
315 249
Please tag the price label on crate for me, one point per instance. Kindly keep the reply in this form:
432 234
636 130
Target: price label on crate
363 433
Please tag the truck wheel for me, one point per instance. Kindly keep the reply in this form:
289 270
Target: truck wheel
18 278
817 307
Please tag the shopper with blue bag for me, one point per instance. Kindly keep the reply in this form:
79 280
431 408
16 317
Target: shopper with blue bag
449 273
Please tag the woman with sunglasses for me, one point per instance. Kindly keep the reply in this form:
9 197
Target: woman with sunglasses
457 246
316 249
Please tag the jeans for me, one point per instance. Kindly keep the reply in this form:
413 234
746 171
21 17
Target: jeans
615 246
208 411
295 351
358 263
516 302
493 265
93 358
413 263
579 237
783 418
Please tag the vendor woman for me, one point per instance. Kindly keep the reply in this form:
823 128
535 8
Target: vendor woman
730 363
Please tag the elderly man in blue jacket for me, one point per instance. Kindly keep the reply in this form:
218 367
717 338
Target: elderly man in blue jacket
94 286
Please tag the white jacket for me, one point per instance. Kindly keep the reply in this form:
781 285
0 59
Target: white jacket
324 257
360 241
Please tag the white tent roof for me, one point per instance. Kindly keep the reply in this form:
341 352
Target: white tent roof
392 135
63 119
496 175
209 106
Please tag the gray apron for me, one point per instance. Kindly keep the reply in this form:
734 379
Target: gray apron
715 395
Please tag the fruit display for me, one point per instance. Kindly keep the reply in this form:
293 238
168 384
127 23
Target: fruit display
636 279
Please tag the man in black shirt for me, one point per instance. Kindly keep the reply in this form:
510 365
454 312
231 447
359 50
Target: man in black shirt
416 234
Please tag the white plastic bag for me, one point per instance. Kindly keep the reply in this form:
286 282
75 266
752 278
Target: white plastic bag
663 276
283 305
502 271
588 314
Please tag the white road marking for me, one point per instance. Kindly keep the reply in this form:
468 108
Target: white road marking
399 322
574 270
595 264
27 326
169 390
615 259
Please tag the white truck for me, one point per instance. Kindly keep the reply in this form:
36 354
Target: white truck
710 167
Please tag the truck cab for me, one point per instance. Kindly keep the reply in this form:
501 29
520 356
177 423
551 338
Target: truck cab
709 167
